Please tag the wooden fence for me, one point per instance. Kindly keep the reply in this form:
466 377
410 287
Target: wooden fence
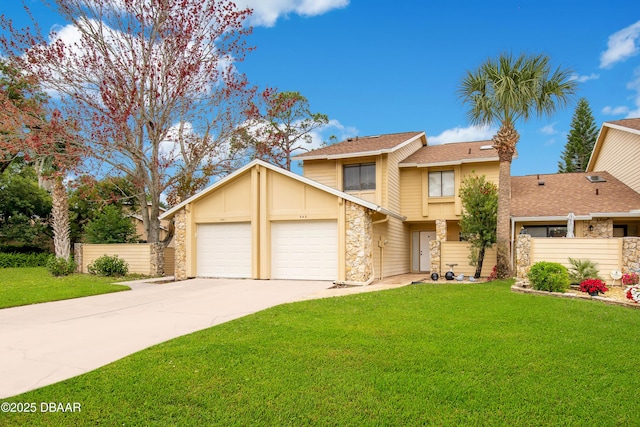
137 255
458 253
606 253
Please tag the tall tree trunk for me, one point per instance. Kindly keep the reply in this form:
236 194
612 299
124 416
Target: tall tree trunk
60 219
505 142
479 262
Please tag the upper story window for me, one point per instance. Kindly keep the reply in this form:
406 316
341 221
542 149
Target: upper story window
360 177
441 184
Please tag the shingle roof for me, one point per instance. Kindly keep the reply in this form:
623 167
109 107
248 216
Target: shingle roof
570 192
628 123
361 145
452 153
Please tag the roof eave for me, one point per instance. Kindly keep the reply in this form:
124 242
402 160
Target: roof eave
361 153
449 163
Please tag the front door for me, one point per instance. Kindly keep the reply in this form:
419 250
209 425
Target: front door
421 254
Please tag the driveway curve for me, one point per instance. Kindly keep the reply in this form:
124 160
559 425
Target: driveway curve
42 344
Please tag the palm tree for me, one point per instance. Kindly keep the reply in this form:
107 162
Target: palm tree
502 91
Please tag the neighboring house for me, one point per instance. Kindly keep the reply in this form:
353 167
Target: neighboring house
617 151
366 206
603 205
141 232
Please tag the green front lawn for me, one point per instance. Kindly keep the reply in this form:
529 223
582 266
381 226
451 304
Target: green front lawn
23 286
444 355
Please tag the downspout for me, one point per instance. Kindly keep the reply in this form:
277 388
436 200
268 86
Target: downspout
513 239
381 245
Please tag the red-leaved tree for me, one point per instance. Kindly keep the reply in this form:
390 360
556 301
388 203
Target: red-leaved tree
152 85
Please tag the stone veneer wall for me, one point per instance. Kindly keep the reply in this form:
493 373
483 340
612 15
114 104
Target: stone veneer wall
523 255
441 230
157 259
180 238
630 254
602 228
435 246
435 252
359 243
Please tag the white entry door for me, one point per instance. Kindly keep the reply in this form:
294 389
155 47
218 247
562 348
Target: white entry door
421 254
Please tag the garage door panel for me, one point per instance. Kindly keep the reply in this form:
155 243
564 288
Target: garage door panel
304 250
224 250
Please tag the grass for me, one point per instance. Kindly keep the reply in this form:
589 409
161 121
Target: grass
23 286
444 355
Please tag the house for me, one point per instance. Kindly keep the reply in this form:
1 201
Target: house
617 151
603 206
366 207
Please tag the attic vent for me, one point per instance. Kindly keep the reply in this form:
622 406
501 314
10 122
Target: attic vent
596 178
540 182
486 147
374 136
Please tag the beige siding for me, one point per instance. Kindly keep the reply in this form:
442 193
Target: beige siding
458 253
415 203
394 254
322 171
604 252
620 156
391 196
230 203
138 256
292 200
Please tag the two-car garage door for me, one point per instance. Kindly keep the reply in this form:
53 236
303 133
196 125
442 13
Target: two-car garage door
299 250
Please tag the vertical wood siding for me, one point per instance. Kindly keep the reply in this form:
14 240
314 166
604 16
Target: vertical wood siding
458 253
606 253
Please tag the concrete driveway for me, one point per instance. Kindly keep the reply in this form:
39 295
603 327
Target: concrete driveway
42 344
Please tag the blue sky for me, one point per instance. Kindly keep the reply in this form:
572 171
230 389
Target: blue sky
379 67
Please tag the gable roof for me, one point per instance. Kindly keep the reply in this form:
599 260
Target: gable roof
626 125
363 146
454 153
563 193
171 212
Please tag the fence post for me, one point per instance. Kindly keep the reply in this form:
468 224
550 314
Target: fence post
77 256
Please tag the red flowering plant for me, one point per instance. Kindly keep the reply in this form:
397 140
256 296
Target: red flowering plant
630 279
593 286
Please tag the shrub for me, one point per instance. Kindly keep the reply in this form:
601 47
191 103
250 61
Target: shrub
549 276
59 266
21 260
582 269
109 266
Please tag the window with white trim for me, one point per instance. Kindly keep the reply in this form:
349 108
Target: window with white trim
441 184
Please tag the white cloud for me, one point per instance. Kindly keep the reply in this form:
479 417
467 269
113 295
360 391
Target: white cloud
615 111
629 112
267 12
621 46
549 129
582 79
460 134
